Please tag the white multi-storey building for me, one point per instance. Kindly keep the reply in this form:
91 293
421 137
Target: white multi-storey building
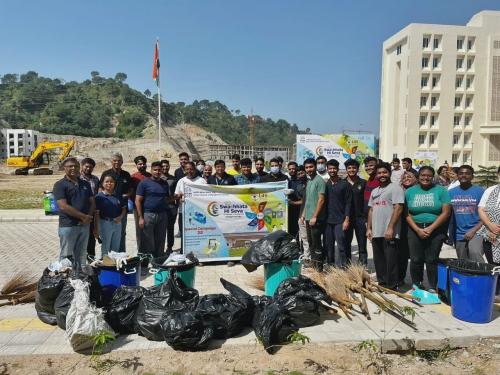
18 142
441 92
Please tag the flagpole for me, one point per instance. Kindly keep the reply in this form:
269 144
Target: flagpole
159 104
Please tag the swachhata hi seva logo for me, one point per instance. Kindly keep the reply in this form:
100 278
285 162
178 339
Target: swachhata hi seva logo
213 209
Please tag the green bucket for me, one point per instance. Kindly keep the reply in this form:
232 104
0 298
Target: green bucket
187 276
185 272
275 273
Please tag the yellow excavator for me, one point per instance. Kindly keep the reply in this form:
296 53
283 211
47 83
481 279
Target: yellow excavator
32 164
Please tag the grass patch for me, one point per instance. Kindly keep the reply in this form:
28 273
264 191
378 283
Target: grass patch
19 199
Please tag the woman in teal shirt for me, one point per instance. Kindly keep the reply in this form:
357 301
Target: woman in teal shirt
428 210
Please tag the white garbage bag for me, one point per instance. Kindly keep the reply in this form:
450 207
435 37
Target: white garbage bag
84 320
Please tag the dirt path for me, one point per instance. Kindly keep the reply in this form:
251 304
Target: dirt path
483 358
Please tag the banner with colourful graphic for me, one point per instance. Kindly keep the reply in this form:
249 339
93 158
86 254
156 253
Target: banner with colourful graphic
221 222
349 145
422 158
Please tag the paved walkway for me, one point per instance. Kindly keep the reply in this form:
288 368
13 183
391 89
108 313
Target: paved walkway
29 245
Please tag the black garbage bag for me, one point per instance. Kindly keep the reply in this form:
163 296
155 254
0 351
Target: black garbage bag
63 303
48 289
185 330
227 314
121 311
469 267
173 294
272 324
301 286
303 311
276 247
63 300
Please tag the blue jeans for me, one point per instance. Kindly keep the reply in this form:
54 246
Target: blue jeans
73 241
334 233
111 234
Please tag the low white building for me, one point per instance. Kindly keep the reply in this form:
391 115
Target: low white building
18 142
440 92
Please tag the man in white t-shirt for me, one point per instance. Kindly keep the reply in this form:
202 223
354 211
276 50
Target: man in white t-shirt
397 171
191 177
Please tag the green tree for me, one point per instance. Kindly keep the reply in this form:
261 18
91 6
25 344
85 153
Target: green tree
147 93
9 79
486 176
120 77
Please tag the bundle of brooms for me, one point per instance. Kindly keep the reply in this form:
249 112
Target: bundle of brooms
344 285
21 288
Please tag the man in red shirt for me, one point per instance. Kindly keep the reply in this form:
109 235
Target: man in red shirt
137 177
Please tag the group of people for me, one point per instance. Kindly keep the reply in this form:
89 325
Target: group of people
407 215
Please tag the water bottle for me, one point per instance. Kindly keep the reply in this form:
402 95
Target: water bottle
50 204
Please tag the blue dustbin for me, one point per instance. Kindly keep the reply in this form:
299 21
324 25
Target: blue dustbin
275 273
472 290
443 285
110 278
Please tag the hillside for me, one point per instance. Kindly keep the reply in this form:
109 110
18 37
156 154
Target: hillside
109 107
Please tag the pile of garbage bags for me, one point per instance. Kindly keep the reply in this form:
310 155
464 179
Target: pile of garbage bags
173 312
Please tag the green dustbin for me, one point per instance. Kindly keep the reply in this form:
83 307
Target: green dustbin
275 273
185 272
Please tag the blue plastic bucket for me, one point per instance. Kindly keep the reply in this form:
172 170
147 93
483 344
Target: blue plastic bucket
472 290
443 285
275 273
110 278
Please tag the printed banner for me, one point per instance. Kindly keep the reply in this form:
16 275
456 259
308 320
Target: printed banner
335 146
221 222
425 158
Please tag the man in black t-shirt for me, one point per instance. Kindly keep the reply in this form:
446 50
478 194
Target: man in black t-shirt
123 189
358 217
76 209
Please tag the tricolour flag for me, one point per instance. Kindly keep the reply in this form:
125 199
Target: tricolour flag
156 63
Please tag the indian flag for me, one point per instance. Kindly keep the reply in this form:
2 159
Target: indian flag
156 63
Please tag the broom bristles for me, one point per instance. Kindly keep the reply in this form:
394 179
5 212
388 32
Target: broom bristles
18 282
256 283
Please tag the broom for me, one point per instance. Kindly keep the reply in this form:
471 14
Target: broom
19 282
27 298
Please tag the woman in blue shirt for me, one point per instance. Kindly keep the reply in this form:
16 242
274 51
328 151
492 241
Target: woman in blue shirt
109 211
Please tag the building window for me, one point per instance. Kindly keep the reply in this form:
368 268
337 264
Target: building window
468 102
425 42
494 149
423 101
458 101
423 81
467 120
460 44
454 157
470 62
432 139
423 120
434 120
468 82
435 62
436 43
456 139
467 137
466 158
456 120
398 50
458 82
460 63
421 139
435 81
470 44
434 101
425 62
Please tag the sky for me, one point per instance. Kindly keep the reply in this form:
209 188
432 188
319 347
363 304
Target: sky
316 63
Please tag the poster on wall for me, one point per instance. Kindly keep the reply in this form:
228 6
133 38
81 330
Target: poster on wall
335 146
221 222
425 158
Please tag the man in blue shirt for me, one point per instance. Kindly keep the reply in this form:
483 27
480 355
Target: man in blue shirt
465 200
76 205
246 177
151 202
